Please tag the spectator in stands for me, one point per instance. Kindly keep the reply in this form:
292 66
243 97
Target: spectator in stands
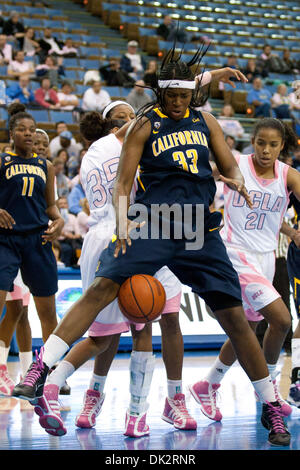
260 98
46 96
62 182
68 101
230 141
19 66
57 143
229 125
169 30
52 69
49 44
94 98
3 96
253 70
76 194
69 50
83 216
150 76
5 51
114 75
231 62
290 65
21 91
138 97
132 62
73 150
76 179
70 235
56 247
271 62
281 103
13 27
28 44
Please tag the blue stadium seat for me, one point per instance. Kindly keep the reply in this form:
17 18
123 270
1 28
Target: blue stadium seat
71 74
40 115
113 90
32 22
56 116
3 114
53 24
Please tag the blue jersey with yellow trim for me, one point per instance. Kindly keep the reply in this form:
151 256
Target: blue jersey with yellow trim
22 191
296 205
174 167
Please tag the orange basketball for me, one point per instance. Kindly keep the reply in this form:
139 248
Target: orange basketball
141 298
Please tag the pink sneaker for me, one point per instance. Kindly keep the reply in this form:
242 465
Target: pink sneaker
285 407
175 413
205 394
47 408
135 425
92 404
6 383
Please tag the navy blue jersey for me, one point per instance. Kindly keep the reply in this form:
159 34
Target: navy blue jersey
296 205
22 191
174 167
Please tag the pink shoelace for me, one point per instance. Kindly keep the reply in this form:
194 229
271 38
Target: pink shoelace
35 369
276 418
88 406
182 408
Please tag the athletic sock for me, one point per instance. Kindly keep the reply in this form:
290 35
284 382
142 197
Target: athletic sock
174 387
25 361
272 370
97 382
54 349
61 373
4 354
265 389
217 372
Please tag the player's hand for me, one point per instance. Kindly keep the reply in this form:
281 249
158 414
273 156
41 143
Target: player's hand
123 237
296 237
6 220
238 186
227 73
54 230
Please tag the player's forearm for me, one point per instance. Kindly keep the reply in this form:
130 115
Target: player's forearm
286 229
53 213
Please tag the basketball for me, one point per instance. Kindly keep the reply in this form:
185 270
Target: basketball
141 298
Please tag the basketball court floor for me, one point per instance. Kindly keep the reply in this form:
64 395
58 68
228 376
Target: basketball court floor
240 428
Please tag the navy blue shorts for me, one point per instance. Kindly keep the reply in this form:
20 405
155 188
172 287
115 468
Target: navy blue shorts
34 257
206 270
293 265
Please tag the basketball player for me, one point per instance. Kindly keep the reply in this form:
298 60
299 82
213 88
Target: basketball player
16 316
251 237
27 204
293 265
177 170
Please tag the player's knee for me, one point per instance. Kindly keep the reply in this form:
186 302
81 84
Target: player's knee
101 342
169 324
281 324
233 321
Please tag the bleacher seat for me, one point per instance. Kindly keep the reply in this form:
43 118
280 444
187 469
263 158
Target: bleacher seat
40 115
56 116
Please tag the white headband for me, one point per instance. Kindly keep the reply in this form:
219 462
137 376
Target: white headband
41 131
112 105
177 84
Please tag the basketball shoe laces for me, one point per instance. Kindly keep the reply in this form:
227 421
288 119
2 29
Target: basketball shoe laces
210 399
276 418
88 405
35 369
180 404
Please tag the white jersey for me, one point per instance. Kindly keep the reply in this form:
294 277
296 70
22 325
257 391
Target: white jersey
98 172
256 229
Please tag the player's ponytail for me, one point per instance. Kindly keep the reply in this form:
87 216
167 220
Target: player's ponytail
92 126
287 133
16 112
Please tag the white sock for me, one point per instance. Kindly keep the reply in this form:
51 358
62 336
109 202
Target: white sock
272 370
295 352
25 361
97 382
174 387
61 373
265 389
54 349
3 354
217 372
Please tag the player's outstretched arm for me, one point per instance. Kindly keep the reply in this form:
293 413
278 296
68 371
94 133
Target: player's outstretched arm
230 173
